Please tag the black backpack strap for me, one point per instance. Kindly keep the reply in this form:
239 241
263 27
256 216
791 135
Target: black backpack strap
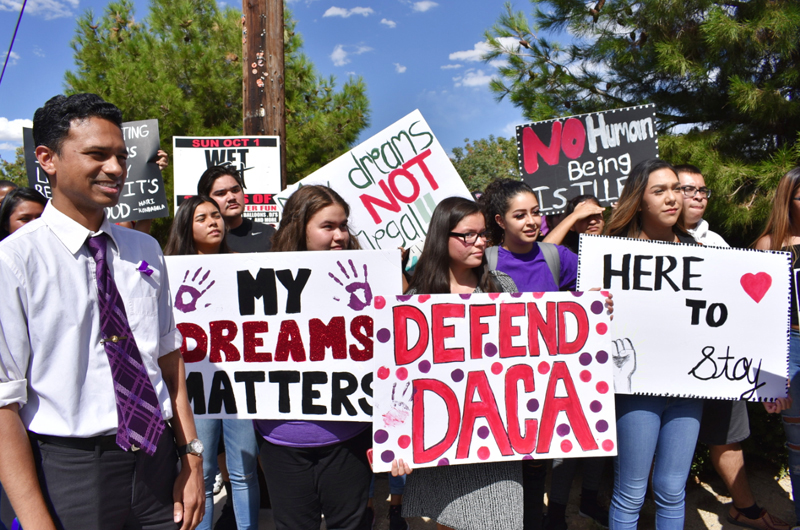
553 260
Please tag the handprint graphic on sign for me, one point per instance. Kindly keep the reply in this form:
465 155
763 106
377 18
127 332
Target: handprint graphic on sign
400 406
190 291
356 303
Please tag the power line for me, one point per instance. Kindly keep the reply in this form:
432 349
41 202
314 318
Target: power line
14 36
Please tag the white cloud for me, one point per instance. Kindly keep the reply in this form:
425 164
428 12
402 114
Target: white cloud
13 60
49 9
6 146
451 66
472 78
340 56
423 6
387 22
346 13
482 48
11 130
399 68
37 51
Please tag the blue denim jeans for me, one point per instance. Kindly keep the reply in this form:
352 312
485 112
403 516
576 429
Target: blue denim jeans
241 457
791 419
653 427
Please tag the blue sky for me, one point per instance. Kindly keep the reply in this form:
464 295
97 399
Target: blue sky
412 54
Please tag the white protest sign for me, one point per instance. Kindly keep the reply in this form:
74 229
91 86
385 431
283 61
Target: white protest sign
392 182
493 377
693 321
286 335
257 158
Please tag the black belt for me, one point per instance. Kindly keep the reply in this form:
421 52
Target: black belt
104 443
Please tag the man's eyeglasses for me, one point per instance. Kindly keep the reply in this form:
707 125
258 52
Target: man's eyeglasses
470 237
691 191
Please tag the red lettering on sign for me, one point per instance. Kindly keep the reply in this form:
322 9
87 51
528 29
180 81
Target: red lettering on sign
522 444
583 327
508 331
290 342
195 332
478 329
547 327
402 315
570 404
422 455
222 333
485 407
251 342
441 332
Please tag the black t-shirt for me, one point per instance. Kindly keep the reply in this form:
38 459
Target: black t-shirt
250 237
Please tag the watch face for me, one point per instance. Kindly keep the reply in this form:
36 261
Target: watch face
196 446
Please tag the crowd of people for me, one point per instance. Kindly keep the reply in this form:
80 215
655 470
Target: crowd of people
97 428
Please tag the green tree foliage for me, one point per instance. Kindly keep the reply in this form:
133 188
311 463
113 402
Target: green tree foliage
14 171
182 66
482 161
729 72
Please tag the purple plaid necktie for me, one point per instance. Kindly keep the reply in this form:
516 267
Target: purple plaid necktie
138 410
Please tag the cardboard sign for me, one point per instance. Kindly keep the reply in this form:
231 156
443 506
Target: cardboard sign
286 335
143 196
257 158
392 182
586 154
492 377
693 321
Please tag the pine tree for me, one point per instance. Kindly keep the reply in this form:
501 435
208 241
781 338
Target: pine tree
182 66
729 72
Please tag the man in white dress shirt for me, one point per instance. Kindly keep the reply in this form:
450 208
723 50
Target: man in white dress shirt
68 456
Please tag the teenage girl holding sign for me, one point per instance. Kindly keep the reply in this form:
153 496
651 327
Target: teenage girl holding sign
651 428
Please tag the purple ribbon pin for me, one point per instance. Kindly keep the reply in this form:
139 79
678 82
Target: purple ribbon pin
144 268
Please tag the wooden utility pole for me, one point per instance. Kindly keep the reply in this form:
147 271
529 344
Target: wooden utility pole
263 72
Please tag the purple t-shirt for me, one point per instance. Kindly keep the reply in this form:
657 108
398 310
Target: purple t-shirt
308 433
531 273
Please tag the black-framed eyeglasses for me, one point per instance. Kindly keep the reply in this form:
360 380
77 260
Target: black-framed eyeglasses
691 191
796 198
470 237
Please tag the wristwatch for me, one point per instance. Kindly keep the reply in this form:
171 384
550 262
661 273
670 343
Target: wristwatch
195 447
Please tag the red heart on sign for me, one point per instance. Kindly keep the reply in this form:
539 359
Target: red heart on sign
756 285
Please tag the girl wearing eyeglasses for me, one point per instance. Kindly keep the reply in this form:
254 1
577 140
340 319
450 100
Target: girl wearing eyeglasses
783 233
463 497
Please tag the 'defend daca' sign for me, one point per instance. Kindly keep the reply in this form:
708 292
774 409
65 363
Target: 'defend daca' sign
287 335
256 158
392 182
493 377
587 154
691 320
143 196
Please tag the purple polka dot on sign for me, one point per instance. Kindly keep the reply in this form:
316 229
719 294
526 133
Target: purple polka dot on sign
601 426
403 297
576 293
384 335
490 349
387 456
585 359
527 457
483 432
563 429
595 406
381 436
602 357
465 296
533 405
457 375
424 367
443 462
597 307
516 295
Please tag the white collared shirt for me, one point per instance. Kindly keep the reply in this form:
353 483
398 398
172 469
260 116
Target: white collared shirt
706 237
51 360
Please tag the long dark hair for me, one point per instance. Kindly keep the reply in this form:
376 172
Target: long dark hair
298 211
626 221
432 274
13 199
181 233
496 200
779 225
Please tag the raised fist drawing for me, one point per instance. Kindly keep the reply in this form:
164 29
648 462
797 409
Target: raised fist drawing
624 357
356 303
190 291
